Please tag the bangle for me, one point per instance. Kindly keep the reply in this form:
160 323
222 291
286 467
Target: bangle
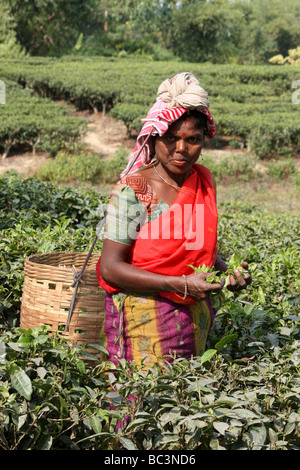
185 287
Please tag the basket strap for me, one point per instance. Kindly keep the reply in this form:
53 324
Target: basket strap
78 276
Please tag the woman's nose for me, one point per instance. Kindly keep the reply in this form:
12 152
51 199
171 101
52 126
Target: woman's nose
180 145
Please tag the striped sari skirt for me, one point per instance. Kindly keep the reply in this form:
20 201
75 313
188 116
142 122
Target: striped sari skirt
151 329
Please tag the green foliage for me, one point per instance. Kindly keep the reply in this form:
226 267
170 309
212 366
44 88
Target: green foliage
66 167
243 393
252 105
114 166
281 169
214 278
220 31
22 199
238 167
8 43
37 217
130 114
205 32
51 27
34 123
51 398
84 167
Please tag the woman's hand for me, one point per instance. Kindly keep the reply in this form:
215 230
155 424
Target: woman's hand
240 281
199 289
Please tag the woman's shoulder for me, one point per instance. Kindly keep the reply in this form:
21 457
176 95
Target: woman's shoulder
139 184
134 180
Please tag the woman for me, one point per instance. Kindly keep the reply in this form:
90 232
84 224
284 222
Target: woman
161 221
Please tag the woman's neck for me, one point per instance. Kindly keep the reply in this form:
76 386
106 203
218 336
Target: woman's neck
171 177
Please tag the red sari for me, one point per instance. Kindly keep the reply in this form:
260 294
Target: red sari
183 235
150 328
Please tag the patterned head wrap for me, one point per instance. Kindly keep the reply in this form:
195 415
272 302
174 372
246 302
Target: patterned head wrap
176 96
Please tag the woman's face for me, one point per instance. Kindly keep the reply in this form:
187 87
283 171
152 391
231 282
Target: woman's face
179 148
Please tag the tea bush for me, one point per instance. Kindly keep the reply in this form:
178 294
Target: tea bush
67 167
240 167
281 169
32 123
51 398
251 105
84 167
243 393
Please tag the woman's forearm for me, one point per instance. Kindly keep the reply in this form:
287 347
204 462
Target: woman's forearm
115 269
220 264
131 278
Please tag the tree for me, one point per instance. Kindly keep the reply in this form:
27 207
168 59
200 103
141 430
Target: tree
133 26
221 31
8 42
206 31
272 28
51 27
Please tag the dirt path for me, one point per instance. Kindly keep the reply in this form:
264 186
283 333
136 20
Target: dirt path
105 135
24 163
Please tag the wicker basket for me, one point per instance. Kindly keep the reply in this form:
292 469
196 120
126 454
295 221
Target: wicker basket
47 295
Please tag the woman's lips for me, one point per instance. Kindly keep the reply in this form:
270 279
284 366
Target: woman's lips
179 162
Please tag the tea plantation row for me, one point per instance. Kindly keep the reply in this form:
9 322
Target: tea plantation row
245 397
29 122
253 105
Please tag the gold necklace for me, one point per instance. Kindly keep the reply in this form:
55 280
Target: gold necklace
170 184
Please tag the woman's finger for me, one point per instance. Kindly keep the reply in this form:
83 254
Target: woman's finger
216 286
204 275
232 284
240 278
248 278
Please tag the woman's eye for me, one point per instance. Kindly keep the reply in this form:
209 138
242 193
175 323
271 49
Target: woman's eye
194 140
170 138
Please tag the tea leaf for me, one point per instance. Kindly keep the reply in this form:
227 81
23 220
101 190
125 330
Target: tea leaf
258 435
22 383
127 443
220 345
221 427
208 355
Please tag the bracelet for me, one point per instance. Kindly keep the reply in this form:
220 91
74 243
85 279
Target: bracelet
185 287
